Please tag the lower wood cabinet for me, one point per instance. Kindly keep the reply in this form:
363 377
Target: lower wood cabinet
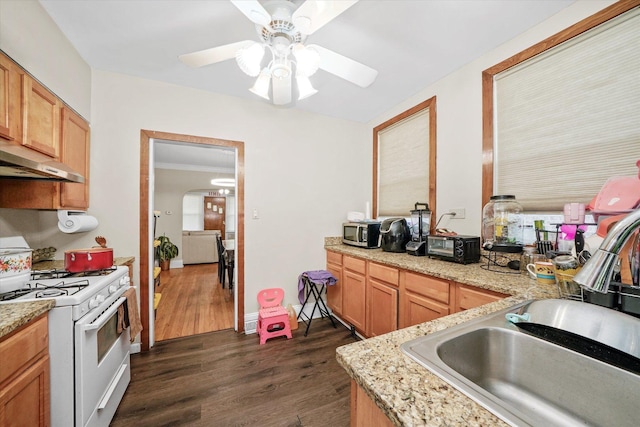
364 412
334 292
24 376
423 298
470 297
383 294
354 292
377 298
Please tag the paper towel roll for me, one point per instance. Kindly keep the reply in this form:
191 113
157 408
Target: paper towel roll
76 222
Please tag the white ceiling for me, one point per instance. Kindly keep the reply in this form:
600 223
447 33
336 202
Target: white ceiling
411 43
220 161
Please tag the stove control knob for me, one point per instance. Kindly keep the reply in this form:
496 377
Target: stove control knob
112 289
125 280
94 302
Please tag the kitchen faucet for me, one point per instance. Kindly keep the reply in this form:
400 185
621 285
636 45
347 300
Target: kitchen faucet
597 272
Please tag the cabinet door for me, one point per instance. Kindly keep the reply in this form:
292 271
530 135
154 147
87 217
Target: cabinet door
334 292
75 154
41 125
25 400
470 297
382 308
419 309
10 100
354 298
364 412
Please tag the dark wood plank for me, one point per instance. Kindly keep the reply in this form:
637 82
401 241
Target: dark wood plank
228 379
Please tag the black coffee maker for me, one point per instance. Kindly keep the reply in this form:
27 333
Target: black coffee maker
394 235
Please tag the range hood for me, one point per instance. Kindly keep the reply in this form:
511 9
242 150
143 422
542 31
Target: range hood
18 162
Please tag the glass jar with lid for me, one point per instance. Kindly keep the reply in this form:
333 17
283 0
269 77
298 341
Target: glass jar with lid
502 224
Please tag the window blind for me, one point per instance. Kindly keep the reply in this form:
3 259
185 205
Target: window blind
403 165
569 118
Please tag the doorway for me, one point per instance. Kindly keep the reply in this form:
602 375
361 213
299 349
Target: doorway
146 219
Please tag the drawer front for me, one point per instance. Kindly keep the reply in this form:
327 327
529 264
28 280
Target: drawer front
354 264
470 297
437 289
334 258
382 272
22 347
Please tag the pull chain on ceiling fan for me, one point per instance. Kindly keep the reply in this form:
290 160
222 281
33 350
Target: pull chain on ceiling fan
282 31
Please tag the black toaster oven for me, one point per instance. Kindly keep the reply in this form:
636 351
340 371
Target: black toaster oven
460 249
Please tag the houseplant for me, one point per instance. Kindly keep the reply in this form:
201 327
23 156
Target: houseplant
165 251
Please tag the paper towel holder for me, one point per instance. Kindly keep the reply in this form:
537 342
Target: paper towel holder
67 220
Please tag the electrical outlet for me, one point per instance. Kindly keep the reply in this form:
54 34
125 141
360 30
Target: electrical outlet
459 213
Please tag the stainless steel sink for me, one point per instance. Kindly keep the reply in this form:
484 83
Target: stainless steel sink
526 380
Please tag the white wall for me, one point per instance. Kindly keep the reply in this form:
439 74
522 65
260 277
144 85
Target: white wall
300 172
459 120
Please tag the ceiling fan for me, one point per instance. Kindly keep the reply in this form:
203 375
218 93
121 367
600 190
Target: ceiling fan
282 30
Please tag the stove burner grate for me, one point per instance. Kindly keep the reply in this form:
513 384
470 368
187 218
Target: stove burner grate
62 273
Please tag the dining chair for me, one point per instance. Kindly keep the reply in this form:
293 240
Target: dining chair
222 265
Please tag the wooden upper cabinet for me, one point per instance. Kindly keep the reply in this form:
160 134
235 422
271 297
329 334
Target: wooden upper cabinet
75 154
10 99
41 120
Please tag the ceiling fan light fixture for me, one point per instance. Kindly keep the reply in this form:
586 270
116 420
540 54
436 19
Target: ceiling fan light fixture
224 182
305 89
307 60
261 86
281 68
249 59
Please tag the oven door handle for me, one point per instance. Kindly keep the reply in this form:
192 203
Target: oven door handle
105 399
101 320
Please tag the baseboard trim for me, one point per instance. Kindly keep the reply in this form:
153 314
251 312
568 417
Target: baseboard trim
251 319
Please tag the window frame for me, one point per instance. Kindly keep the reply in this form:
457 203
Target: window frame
429 104
586 24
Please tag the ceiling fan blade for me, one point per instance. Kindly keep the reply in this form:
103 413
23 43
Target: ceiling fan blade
214 54
281 90
253 10
345 68
312 15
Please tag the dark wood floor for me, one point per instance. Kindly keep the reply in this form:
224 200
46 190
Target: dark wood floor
227 379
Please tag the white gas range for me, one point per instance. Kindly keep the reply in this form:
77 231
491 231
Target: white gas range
88 348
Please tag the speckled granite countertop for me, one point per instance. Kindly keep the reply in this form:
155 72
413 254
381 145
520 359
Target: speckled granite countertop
408 393
14 315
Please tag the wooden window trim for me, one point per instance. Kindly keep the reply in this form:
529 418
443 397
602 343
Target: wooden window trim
488 78
431 105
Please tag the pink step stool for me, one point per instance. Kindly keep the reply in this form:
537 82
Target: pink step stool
273 318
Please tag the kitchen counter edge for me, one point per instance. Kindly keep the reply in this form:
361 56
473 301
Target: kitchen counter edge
15 315
408 393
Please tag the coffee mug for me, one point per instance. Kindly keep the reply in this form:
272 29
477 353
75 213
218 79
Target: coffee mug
543 271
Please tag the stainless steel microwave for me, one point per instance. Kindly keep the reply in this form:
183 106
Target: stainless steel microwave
364 234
